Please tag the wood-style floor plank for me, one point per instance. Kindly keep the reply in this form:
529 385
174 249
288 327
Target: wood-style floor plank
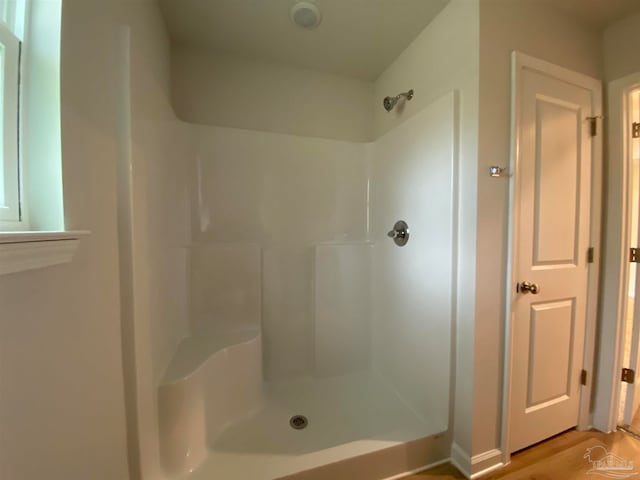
559 458
441 472
635 423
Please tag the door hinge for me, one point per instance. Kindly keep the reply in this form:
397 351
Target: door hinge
593 125
583 377
634 255
628 375
635 129
590 254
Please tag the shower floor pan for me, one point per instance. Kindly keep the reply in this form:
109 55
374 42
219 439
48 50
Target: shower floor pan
347 416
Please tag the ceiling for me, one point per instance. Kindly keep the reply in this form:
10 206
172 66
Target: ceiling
597 13
357 38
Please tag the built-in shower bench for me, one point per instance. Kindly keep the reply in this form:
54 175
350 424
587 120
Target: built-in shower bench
214 377
194 351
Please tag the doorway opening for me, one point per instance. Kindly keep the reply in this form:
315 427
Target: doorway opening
629 406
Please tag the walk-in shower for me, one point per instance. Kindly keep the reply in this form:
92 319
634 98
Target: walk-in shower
303 336
328 328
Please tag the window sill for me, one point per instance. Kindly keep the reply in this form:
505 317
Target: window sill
20 251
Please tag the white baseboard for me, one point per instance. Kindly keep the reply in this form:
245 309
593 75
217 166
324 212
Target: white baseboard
478 465
461 459
486 462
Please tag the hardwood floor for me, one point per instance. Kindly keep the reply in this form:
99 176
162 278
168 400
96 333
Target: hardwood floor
635 423
560 458
442 472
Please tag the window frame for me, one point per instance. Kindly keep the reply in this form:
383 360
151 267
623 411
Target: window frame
10 211
39 237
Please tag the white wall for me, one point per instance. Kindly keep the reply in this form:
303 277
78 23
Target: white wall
61 368
62 414
620 55
442 58
215 89
533 28
433 70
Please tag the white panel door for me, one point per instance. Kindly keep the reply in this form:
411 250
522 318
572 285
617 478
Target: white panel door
551 234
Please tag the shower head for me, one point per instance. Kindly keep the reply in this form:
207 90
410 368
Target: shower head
390 102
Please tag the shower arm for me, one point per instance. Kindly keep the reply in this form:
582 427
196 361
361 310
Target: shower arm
408 95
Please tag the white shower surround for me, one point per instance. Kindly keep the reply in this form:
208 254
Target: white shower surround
291 274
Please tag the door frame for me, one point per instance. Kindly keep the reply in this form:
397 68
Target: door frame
519 63
607 399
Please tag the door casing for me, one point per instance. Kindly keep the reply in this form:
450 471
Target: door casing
519 63
632 397
614 287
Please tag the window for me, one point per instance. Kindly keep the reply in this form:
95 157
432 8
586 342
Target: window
31 197
32 228
12 18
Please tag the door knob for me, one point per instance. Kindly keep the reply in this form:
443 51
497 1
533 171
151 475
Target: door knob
528 287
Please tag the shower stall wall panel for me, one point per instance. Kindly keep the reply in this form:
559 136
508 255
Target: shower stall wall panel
289 195
413 168
154 228
342 301
153 170
225 287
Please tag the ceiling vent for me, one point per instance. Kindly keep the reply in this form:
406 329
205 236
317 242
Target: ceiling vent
305 15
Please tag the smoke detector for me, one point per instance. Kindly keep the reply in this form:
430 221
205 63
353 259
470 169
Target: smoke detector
305 15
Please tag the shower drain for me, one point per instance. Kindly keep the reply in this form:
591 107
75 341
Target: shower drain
298 422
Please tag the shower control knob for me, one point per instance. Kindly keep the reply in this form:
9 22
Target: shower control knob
400 233
528 287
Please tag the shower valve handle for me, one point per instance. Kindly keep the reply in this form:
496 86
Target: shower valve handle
396 234
400 233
